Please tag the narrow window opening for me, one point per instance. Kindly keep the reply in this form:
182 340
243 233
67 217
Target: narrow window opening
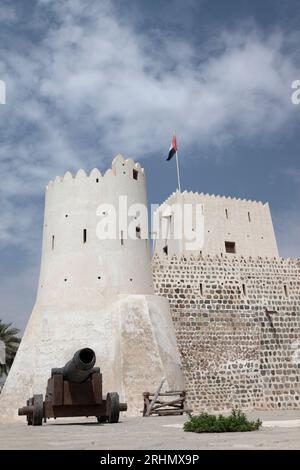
135 174
52 243
230 247
122 238
165 249
97 180
285 290
249 217
84 235
138 232
244 290
226 213
201 288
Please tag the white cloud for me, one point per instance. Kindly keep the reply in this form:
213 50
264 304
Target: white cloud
94 86
7 14
293 174
288 233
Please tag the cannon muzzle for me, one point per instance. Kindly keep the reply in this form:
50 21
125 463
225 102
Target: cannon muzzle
80 367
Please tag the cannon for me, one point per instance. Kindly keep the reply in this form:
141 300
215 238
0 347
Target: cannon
74 390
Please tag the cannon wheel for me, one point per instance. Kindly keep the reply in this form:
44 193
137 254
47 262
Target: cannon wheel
38 410
112 407
29 417
101 419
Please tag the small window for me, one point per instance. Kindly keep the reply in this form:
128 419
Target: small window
52 243
138 232
84 235
135 174
97 180
285 290
165 249
244 289
201 288
226 213
230 247
122 238
249 217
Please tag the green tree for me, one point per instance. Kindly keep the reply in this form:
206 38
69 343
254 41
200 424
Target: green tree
8 335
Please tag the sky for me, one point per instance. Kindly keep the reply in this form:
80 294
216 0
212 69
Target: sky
86 80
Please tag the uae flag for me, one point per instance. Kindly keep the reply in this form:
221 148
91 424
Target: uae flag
173 148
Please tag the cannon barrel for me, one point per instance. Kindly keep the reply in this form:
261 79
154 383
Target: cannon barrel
80 367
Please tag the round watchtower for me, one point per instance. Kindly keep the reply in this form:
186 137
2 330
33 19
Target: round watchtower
77 263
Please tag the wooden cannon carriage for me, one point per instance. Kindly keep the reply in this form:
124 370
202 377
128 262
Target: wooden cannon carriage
74 390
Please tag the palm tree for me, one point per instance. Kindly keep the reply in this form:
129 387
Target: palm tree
11 342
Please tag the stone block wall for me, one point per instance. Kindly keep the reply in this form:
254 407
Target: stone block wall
237 324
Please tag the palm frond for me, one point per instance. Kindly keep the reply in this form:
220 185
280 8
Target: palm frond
8 335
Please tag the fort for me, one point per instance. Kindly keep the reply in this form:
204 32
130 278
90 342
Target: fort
221 320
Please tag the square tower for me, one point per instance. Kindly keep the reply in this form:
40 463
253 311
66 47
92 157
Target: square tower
193 223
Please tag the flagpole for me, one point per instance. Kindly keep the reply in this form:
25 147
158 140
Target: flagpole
177 165
178 176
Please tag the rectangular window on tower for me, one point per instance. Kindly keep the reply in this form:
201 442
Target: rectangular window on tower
84 235
230 247
138 232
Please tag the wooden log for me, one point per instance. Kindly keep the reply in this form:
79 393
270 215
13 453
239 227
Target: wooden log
148 412
170 403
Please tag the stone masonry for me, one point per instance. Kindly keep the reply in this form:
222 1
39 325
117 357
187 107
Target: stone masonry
237 324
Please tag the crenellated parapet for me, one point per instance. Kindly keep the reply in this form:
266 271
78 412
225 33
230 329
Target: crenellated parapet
226 258
120 167
194 195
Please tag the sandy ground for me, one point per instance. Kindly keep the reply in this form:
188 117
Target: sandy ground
281 430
